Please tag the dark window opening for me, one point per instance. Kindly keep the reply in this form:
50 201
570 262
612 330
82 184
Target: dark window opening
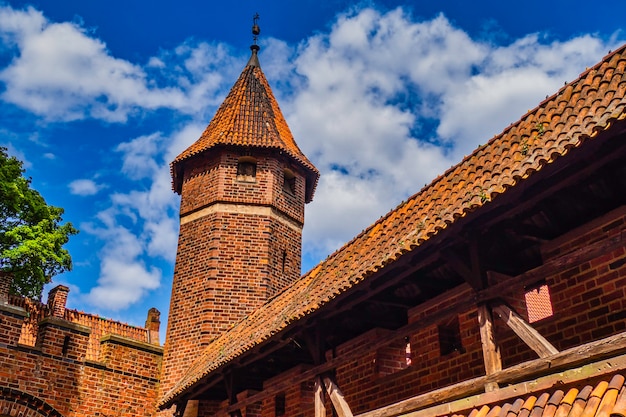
289 182
66 345
450 337
279 405
246 169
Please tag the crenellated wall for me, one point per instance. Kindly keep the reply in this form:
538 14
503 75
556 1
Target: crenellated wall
60 362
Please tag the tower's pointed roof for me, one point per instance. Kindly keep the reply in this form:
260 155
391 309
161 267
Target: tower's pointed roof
249 117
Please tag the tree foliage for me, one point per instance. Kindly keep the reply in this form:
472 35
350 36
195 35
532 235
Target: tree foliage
31 233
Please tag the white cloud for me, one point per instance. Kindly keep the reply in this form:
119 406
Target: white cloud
382 104
62 73
84 187
124 277
141 224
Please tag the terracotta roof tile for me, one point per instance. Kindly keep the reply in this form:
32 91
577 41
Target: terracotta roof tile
566 403
620 404
249 117
560 123
604 400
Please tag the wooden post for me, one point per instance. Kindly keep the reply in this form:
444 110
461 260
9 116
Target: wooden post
191 410
320 408
491 352
336 396
525 331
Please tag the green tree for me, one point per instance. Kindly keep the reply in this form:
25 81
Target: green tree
31 233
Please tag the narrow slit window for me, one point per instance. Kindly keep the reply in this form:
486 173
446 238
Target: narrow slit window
66 345
289 182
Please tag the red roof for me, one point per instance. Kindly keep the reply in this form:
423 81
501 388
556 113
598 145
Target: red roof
249 117
574 115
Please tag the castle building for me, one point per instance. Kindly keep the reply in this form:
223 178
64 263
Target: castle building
57 362
498 290
243 187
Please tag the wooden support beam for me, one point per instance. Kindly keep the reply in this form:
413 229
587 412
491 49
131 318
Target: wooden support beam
320 408
532 370
466 272
314 342
507 286
336 397
491 351
191 409
525 331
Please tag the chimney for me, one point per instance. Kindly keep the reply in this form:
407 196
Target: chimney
57 297
153 323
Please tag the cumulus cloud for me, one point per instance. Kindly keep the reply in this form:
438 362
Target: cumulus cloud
381 103
84 187
60 72
140 225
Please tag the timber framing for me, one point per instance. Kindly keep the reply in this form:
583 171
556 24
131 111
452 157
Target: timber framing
578 361
489 294
495 375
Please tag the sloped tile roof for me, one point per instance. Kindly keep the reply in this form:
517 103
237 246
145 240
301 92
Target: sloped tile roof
604 399
248 117
575 114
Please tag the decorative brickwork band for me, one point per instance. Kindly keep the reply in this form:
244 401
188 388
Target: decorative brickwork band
57 297
5 286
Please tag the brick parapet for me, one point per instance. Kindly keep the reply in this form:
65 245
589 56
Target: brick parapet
57 298
11 321
62 338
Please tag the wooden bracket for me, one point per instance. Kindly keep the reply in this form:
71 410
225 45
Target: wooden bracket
336 397
320 408
472 274
525 331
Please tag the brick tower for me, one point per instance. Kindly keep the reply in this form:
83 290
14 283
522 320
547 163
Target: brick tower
243 186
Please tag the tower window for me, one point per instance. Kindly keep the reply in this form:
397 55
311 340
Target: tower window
289 182
246 169
66 345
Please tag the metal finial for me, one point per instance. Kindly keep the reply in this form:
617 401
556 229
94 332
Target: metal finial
256 30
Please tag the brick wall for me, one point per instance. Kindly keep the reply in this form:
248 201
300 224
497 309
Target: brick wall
52 374
239 244
588 302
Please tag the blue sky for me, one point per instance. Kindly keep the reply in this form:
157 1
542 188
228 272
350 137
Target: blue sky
98 97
